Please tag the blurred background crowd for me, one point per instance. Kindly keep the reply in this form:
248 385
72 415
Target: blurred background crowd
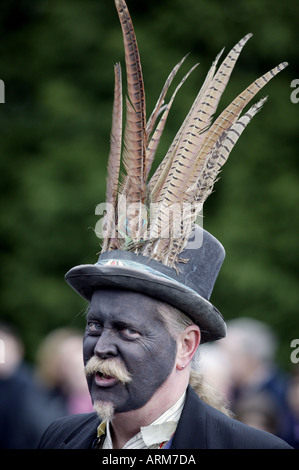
241 368
56 61
32 395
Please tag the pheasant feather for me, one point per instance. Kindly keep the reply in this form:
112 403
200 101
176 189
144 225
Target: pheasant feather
114 157
155 140
232 112
115 140
158 179
135 131
157 108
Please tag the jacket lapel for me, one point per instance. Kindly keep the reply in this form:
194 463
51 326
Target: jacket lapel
83 436
191 430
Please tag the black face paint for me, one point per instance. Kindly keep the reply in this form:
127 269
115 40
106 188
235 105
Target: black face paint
127 326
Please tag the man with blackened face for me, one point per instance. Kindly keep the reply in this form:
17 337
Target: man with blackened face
135 368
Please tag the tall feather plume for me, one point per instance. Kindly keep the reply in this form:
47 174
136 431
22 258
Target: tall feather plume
192 164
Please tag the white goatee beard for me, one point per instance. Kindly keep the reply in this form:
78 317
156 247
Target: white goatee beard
104 409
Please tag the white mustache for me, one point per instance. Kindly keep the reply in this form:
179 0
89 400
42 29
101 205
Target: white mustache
111 367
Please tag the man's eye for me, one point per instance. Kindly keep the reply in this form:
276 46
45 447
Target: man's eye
131 333
94 327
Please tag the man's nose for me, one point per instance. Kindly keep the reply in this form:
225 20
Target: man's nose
106 345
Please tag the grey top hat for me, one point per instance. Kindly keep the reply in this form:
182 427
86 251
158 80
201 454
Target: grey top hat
189 289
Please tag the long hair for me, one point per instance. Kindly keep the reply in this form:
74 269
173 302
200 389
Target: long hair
176 322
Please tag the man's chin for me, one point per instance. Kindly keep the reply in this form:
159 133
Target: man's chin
104 409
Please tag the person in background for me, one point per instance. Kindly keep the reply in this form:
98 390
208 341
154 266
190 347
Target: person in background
59 369
259 410
21 423
216 369
257 380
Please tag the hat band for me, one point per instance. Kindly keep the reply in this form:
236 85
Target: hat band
141 267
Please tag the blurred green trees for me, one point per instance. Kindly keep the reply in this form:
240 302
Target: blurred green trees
57 65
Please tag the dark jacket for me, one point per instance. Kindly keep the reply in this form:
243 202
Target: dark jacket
200 427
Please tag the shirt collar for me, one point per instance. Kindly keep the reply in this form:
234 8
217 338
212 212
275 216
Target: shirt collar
159 431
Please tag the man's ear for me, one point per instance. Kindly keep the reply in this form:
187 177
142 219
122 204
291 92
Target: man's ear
187 346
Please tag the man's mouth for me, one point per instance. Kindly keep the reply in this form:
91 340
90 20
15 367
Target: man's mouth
107 372
103 380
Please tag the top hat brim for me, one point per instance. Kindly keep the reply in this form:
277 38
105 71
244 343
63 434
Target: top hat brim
87 278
